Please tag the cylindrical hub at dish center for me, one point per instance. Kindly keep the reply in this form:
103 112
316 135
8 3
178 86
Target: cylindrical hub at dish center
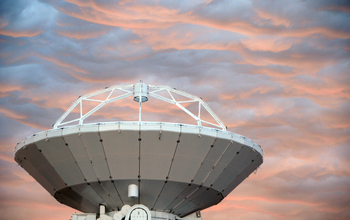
140 91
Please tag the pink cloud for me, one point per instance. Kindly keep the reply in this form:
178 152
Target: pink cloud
80 35
63 64
275 19
12 114
6 88
16 34
266 44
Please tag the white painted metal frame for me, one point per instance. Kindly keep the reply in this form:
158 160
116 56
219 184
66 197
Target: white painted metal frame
128 91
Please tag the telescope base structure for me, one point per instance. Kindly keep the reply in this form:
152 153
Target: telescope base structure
202 197
178 169
136 212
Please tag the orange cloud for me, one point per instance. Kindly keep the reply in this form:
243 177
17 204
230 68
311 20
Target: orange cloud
321 91
266 44
306 32
5 88
63 64
16 34
21 118
11 114
81 35
128 17
275 19
134 16
273 200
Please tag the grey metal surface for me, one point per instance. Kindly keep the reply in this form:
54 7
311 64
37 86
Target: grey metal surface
228 155
76 197
190 153
80 153
217 149
95 150
244 174
62 160
178 169
157 150
234 168
122 151
36 164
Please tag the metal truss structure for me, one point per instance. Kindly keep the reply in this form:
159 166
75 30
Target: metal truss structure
145 170
129 90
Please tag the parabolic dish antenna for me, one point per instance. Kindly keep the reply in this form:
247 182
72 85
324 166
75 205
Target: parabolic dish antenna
138 169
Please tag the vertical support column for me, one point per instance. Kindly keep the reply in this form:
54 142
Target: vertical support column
140 95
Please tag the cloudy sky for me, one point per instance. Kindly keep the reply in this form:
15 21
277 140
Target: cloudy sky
274 71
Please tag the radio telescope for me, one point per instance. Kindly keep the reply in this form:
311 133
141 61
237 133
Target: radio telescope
138 170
